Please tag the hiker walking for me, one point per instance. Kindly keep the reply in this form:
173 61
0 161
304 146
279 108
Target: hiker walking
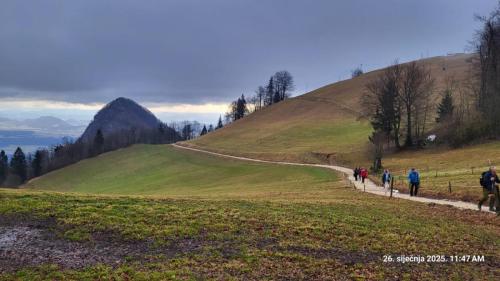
364 174
356 173
414 180
386 180
490 189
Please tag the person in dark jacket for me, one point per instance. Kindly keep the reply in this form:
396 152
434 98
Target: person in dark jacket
356 173
414 180
386 180
490 189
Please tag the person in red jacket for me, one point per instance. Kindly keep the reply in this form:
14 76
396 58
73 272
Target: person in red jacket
363 174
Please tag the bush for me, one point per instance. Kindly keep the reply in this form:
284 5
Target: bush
462 134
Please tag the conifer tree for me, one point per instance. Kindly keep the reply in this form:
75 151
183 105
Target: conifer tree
203 131
4 166
36 164
445 107
270 91
99 142
219 123
18 165
241 108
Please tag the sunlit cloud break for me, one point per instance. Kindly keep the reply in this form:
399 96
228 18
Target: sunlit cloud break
154 107
187 108
47 105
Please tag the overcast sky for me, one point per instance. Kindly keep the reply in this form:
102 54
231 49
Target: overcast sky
188 58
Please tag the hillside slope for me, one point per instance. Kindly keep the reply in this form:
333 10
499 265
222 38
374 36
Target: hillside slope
326 122
327 125
163 170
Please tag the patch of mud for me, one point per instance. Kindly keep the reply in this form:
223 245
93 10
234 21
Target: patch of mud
343 256
22 246
26 242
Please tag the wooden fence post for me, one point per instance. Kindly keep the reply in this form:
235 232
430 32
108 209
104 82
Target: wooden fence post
449 186
392 185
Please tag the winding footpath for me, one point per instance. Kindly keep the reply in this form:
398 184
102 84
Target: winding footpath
368 186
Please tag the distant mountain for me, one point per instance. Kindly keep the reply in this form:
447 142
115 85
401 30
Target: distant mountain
48 123
118 115
31 134
44 125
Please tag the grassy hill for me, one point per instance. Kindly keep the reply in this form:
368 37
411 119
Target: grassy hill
218 219
155 212
163 170
328 125
207 217
327 122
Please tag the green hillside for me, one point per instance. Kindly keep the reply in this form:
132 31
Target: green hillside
341 237
163 170
208 217
327 124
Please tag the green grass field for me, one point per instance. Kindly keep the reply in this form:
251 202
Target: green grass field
442 166
162 170
256 239
203 217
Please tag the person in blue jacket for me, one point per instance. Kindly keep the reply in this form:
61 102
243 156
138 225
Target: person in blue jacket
386 180
414 180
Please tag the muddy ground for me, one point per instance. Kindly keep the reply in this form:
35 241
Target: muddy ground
26 242
29 242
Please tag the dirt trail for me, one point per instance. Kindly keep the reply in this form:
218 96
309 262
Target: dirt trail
368 186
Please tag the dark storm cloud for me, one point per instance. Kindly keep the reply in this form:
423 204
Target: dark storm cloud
209 51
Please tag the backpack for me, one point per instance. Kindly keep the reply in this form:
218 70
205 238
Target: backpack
482 179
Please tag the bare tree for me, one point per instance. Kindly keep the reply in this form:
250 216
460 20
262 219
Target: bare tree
488 47
383 98
416 88
254 103
260 95
283 84
231 113
377 139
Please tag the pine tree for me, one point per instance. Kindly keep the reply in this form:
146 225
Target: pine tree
99 142
241 108
219 123
36 164
445 108
203 131
4 166
270 91
18 165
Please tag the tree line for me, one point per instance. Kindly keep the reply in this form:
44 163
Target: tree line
279 87
401 100
23 167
